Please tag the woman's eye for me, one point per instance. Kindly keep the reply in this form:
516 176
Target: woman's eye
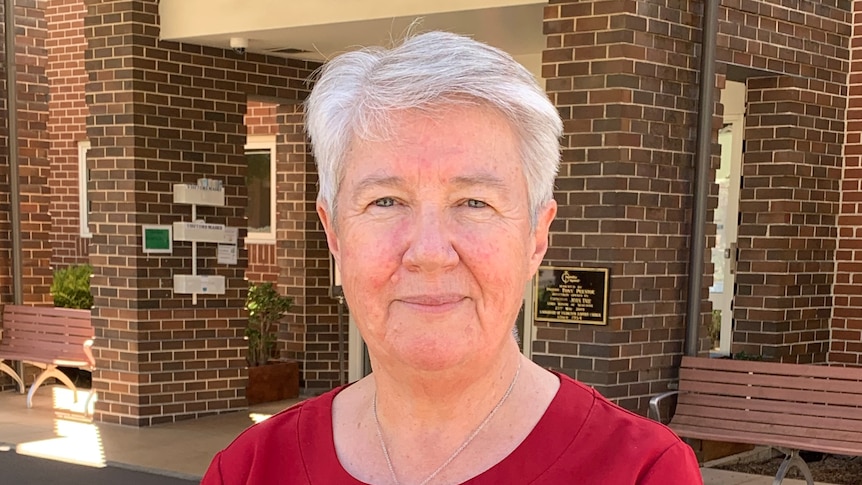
384 202
476 204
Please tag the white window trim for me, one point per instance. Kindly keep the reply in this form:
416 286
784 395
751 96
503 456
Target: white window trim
261 142
83 194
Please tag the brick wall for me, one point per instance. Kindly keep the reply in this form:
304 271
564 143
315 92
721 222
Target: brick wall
789 202
796 53
260 120
163 113
623 75
303 257
32 85
67 125
5 187
846 345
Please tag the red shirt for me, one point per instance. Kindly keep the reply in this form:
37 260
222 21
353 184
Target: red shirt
582 439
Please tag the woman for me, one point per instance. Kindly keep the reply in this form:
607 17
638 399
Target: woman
437 160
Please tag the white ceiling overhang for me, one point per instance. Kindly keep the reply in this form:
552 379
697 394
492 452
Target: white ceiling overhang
320 29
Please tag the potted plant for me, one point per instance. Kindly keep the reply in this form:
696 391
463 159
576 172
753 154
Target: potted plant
70 288
268 379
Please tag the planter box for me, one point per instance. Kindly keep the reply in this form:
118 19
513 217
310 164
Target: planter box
275 381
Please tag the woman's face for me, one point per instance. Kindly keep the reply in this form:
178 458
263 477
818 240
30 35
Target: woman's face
433 238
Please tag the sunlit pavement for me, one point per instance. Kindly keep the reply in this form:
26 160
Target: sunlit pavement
58 429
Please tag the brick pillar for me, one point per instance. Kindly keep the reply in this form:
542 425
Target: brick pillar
261 120
310 334
67 126
33 164
788 206
846 346
163 113
623 76
5 187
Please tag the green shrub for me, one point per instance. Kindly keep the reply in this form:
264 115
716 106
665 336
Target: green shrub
744 356
71 287
266 306
715 328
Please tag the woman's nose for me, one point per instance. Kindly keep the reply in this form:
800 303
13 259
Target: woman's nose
430 247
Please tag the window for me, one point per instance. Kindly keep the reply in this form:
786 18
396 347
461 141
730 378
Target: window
260 182
83 195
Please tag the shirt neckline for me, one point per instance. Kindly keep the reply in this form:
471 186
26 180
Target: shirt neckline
542 447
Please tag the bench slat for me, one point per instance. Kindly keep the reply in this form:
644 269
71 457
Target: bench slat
823 446
761 392
21 334
61 361
772 368
694 377
798 433
46 324
23 339
801 421
795 408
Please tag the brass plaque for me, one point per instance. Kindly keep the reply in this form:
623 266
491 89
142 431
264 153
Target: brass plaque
572 295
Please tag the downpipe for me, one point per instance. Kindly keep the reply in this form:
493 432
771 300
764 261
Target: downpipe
703 154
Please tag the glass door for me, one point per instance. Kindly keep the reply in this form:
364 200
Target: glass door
726 217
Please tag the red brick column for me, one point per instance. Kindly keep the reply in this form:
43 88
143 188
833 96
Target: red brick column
33 150
67 125
788 205
5 187
303 257
846 345
261 120
624 80
163 113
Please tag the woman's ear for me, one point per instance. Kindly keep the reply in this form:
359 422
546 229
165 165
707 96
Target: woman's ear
326 218
540 235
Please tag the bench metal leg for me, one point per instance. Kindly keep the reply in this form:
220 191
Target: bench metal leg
90 397
791 460
4 368
51 371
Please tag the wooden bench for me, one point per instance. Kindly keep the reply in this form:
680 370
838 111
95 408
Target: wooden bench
46 337
788 406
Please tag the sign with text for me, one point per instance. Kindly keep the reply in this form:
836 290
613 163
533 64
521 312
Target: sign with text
572 295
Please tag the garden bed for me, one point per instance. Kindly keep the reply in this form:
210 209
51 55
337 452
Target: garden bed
825 468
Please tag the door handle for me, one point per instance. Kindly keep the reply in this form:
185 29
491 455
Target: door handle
731 253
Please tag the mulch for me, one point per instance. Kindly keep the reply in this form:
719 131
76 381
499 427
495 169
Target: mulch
834 469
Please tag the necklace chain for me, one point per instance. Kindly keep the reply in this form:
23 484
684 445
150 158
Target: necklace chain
459 449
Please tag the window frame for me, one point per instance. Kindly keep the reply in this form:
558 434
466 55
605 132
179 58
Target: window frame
83 191
265 142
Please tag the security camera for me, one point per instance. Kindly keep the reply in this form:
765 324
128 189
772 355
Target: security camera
239 44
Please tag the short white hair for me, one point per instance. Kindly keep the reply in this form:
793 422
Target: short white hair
356 94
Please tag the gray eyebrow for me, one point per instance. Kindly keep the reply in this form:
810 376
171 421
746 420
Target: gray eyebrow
487 179
481 179
378 181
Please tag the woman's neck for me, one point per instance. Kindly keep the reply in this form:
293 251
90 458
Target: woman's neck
453 397
423 423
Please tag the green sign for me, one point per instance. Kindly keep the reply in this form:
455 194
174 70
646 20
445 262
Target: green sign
157 239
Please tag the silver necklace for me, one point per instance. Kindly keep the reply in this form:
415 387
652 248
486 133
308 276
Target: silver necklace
457 451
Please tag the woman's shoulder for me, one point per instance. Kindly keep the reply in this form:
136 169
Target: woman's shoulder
285 425
611 417
275 446
601 442
283 430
